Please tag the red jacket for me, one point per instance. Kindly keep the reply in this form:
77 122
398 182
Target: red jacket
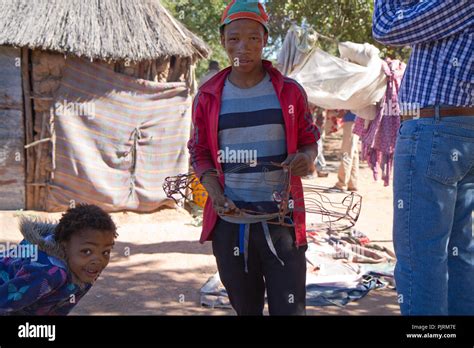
203 145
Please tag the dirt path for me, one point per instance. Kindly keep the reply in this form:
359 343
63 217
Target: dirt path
158 266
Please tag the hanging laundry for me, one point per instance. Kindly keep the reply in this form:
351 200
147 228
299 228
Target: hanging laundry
379 137
297 46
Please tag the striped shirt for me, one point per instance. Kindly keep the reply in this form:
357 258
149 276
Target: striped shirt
440 70
251 134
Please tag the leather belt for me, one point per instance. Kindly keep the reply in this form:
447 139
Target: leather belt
443 112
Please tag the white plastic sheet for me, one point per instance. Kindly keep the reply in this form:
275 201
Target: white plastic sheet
337 83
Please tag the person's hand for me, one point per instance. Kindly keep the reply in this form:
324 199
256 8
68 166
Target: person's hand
299 163
220 203
224 205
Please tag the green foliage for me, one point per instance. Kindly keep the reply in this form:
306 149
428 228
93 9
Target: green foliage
202 17
343 20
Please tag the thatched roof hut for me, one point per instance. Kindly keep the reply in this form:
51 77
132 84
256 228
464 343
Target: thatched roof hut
98 29
137 38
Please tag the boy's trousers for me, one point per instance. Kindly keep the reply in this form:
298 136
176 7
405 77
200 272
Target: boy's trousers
285 284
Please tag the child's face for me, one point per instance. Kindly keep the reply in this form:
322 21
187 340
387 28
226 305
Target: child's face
88 253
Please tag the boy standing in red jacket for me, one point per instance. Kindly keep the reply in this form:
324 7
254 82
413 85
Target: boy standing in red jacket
250 107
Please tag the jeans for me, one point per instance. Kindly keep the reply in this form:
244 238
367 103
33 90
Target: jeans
433 216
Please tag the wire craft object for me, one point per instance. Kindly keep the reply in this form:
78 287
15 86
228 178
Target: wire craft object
335 209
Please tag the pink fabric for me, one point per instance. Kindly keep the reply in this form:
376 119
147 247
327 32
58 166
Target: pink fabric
378 140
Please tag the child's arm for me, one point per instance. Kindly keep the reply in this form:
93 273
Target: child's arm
29 285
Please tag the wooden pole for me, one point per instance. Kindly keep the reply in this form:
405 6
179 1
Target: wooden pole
39 153
28 114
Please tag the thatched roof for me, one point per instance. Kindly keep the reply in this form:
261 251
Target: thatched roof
102 29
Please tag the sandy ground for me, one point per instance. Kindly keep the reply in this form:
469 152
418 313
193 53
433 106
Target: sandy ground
158 266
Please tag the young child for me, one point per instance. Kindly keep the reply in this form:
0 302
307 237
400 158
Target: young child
68 259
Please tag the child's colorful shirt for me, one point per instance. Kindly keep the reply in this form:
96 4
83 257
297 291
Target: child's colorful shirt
34 281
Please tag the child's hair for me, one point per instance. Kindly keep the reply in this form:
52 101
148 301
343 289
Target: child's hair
82 217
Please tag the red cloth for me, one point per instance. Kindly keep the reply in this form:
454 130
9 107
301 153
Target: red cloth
335 119
203 145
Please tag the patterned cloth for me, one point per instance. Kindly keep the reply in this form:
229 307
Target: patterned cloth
441 62
378 140
116 138
39 285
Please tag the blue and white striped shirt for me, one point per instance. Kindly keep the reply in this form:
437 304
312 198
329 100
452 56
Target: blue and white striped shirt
252 133
440 70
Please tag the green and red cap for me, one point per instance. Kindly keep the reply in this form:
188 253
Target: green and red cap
245 9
